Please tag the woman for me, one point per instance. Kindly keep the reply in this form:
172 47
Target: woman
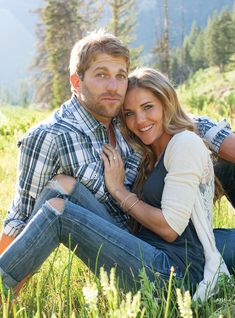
176 182
173 202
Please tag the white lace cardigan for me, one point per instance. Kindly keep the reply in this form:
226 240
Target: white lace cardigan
188 193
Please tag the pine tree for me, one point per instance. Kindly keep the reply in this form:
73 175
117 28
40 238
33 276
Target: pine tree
161 49
198 52
123 24
42 78
62 31
63 23
187 60
220 40
175 70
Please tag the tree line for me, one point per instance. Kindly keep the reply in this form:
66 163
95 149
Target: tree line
62 23
212 46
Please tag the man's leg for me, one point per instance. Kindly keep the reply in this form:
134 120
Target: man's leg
98 242
6 240
225 242
225 172
31 247
225 238
76 192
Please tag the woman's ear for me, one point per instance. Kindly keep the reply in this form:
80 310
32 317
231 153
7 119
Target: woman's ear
75 82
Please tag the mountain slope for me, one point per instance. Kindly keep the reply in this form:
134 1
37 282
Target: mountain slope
18 41
209 92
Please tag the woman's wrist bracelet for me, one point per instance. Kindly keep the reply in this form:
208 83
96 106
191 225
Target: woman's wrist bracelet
133 204
123 203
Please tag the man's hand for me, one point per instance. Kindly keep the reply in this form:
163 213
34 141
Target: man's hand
5 241
227 148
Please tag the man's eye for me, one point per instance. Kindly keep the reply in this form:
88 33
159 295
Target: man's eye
101 75
122 76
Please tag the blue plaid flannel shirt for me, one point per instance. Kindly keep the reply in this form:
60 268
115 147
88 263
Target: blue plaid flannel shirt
69 142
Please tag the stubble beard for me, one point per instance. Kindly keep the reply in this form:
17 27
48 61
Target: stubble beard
95 106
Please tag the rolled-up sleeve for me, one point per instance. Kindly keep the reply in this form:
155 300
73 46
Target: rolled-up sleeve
213 132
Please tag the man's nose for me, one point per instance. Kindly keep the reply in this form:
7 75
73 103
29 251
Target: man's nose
112 84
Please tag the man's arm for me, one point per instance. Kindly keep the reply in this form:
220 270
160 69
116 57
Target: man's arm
227 148
38 163
219 136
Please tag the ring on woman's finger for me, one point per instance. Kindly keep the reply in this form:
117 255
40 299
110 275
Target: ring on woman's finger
114 158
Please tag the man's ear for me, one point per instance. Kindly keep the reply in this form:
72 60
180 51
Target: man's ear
75 82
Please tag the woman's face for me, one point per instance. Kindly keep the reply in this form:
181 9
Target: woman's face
143 113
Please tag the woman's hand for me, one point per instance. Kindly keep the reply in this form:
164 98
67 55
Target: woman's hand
114 172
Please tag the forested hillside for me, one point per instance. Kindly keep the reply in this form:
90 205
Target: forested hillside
20 33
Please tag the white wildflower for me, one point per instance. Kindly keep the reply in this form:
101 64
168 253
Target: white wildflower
184 304
90 293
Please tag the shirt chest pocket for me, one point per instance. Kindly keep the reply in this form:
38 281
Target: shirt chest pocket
90 174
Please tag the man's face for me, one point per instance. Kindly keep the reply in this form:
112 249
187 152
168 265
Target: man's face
103 87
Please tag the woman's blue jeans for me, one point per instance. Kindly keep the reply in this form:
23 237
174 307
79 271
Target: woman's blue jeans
96 237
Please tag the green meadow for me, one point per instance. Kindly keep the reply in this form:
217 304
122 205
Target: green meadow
64 286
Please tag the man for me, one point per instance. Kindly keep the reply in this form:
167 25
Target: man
71 140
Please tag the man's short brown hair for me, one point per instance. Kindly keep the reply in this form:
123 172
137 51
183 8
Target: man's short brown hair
86 49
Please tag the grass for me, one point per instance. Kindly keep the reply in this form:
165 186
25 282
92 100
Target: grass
210 92
64 286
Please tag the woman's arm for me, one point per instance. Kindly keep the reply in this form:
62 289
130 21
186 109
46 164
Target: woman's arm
185 162
147 215
188 163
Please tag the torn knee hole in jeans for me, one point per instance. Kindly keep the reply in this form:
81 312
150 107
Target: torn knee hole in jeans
55 185
53 209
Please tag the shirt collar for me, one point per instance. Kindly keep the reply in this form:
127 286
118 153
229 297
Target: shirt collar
84 119
77 116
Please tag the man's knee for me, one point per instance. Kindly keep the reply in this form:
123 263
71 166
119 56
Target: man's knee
57 205
62 183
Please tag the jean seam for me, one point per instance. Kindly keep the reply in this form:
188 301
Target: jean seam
33 243
120 247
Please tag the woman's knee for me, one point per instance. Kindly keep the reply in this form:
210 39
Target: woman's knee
57 205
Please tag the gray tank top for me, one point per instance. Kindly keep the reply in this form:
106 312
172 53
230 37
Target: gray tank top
186 250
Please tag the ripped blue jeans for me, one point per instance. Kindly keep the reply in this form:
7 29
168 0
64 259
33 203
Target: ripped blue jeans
86 226
88 229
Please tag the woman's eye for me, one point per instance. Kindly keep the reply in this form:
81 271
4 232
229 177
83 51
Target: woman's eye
128 114
146 107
